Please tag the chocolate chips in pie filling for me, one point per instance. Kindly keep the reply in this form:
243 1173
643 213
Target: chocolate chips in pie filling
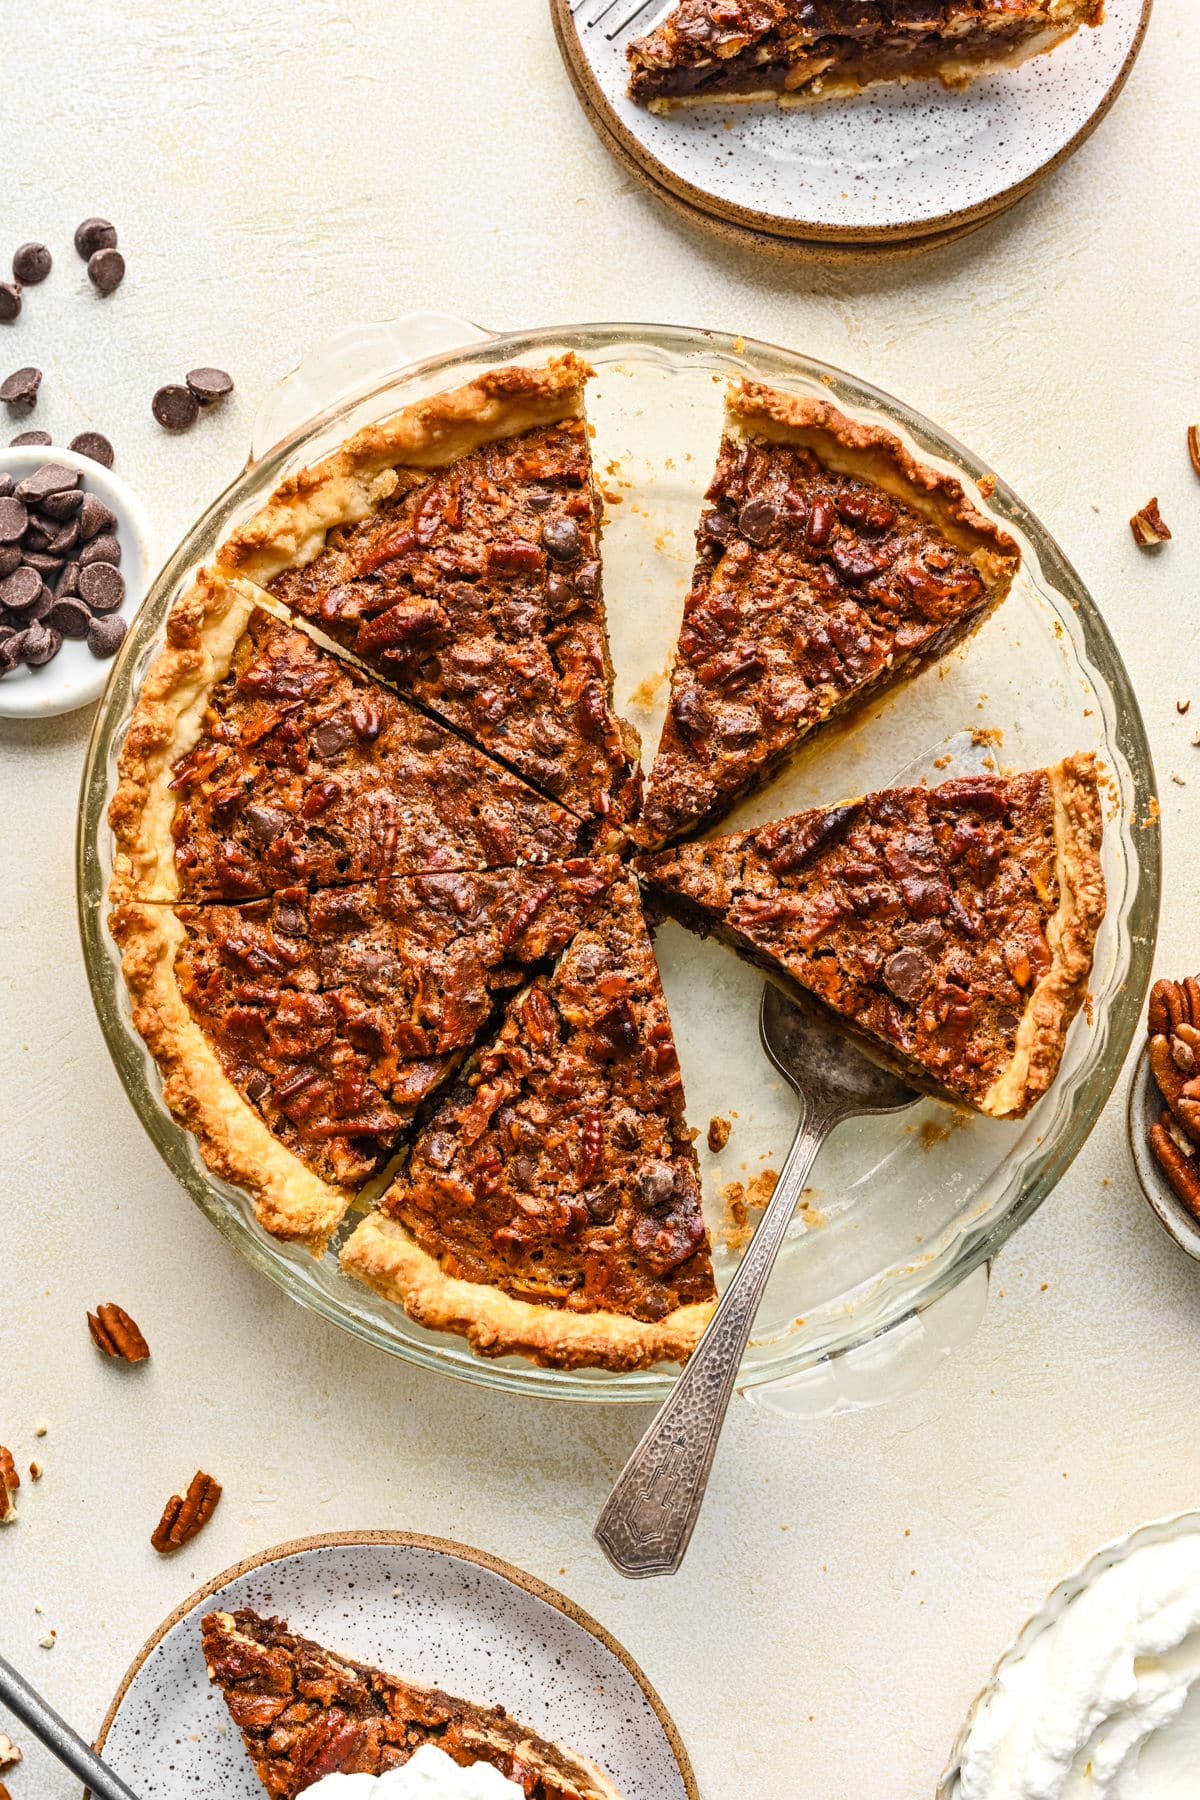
561 1169
307 772
926 919
335 1013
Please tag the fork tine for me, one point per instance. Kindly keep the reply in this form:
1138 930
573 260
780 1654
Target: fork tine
630 12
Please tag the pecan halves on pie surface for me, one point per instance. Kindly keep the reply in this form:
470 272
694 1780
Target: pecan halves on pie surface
114 1332
1177 1164
1148 526
10 1481
186 1514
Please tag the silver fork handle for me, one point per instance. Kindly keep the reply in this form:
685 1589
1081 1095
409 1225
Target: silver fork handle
649 1517
39 1717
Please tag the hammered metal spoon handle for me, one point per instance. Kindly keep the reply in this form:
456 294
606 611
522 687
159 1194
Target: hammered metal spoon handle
26 1704
648 1519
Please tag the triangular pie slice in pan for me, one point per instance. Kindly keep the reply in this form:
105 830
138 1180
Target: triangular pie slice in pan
455 548
830 564
305 1713
551 1206
951 928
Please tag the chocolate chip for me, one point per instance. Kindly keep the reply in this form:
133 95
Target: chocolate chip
41 605
104 548
7 484
175 407
602 1202
10 302
105 636
561 597
10 652
561 540
655 1183
587 580
14 517
51 478
64 539
907 973
94 517
62 506
38 644
102 586
93 235
20 389
48 566
925 932
209 385
257 1086
106 270
32 437
333 736
718 525
10 558
264 823
38 532
31 264
95 445
71 618
68 581
20 590
756 520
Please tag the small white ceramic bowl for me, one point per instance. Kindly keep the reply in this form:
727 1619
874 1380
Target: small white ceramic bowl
75 677
1158 1532
1146 1105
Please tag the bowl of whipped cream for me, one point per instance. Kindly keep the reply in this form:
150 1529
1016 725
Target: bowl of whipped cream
1099 1695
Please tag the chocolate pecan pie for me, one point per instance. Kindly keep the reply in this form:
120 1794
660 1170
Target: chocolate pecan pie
552 1203
952 927
830 564
794 51
257 761
455 548
298 1033
304 1713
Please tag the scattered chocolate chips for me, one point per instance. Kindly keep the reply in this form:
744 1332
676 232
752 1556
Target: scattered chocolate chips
51 478
20 590
94 517
64 505
32 437
105 636
38 644
907 973
93 235
209 385
70 618
10 301
101 549
31 264
175 407
20 389
95 445
102 586
106 270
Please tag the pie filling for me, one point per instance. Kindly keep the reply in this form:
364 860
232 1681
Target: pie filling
477 590
305 1713
938 923
760 48
561 1169
813 588
307 772
335 1013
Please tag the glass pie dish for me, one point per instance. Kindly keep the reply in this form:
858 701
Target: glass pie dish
904 1209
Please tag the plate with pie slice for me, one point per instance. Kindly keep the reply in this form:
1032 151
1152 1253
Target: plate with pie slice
352 1655
413 964
837 120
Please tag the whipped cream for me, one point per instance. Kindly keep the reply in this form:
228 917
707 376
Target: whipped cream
429 1774
1105 1702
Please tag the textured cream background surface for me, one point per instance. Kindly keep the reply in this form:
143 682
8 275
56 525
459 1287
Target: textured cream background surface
277 172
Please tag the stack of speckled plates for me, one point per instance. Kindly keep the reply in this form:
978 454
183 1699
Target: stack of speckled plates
895 171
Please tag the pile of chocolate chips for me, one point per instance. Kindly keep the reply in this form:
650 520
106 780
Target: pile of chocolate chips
59 568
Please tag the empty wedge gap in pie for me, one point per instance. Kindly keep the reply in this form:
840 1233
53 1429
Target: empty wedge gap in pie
383 914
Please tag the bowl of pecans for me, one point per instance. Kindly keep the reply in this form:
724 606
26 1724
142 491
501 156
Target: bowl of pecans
1164 1110
74 566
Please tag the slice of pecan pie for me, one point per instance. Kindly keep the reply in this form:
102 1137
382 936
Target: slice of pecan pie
830 565
794 51
455 548
552 1204
305 1712
298 1033
256 761
952 927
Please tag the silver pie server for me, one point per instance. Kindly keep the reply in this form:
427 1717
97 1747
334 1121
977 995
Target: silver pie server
649 1517
42 1720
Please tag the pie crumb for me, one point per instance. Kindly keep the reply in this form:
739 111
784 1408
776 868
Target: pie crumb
719 1130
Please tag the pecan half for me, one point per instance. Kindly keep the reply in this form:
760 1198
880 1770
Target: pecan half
114 1332
10 1481
1178 1165
1193 442
1148 526
186 1514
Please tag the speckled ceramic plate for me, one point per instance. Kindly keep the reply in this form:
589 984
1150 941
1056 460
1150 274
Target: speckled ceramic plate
417 1606
896 161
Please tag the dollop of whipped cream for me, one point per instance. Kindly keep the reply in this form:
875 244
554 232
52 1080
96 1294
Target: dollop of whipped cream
1105 1702
429 1774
